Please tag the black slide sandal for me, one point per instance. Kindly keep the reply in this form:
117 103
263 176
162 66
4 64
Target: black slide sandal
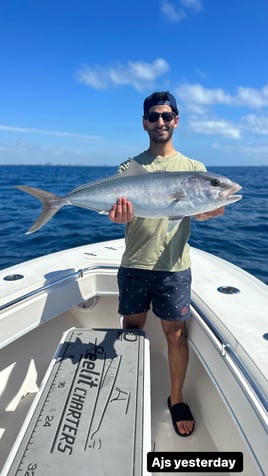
180 412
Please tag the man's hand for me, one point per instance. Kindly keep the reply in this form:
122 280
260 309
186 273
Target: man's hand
208 215
121 211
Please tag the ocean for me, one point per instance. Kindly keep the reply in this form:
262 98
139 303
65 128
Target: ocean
239 236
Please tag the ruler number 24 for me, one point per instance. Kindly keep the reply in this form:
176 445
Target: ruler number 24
30 469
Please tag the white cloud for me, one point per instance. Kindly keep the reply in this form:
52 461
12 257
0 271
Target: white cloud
218 127
254 150
138 74
253 97
29 130
256 124
179 11
172 13
250 124
97 78
195 5
197 98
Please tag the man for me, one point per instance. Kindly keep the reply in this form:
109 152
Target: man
155 267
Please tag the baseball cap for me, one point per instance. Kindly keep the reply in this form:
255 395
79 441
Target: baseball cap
159 99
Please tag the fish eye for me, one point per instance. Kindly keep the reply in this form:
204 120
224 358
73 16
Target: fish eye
215 182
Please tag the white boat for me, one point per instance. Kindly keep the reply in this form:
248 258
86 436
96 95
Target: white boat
80 395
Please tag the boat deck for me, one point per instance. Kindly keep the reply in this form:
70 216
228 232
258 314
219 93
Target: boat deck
226 381
162 436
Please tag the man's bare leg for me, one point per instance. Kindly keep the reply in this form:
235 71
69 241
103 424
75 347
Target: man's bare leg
134 321
178 356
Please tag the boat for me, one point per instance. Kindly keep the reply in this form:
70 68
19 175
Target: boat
81 395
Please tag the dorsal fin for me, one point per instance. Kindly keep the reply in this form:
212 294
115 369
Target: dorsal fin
133 168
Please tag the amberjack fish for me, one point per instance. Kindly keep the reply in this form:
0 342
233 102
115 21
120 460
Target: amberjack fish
172 195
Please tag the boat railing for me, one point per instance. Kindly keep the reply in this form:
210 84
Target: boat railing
80 273
226 349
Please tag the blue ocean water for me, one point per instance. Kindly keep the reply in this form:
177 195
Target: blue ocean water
239 236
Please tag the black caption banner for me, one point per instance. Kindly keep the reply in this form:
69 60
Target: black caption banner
198 462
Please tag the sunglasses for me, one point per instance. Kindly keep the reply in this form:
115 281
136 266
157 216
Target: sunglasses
166 116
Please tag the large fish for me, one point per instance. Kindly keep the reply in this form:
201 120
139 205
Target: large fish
153 194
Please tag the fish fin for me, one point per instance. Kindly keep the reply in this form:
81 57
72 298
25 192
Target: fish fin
133 168
51 205
173 222
177 196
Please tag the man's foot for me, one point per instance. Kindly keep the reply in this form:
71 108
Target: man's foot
182 418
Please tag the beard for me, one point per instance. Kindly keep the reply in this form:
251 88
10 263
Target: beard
160 135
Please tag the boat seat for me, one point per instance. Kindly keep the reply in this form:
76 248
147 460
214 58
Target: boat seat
92 412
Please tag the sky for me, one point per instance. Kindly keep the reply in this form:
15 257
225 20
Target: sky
74 75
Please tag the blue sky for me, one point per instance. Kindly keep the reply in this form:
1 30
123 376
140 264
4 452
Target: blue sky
74 74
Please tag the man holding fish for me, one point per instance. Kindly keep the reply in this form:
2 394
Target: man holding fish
156 266
158 193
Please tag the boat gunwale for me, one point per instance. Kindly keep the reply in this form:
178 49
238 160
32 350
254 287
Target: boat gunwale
226 350
76 274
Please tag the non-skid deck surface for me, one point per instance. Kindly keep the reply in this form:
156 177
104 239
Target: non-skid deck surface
88 419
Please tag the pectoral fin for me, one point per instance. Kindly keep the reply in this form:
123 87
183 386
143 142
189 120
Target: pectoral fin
177 196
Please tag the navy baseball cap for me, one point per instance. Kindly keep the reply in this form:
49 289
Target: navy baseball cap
160 99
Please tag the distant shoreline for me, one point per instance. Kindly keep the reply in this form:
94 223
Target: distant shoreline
116 165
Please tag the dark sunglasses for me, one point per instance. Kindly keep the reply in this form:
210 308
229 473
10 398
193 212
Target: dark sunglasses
166 116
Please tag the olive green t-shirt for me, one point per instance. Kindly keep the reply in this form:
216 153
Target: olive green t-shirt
149 245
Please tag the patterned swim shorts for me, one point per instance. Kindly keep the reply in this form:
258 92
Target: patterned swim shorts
168 292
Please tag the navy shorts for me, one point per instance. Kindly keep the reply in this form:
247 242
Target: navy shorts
168 292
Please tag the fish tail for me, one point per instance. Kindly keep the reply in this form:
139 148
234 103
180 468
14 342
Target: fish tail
51 205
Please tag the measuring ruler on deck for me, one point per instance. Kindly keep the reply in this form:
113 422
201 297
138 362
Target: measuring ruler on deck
88 416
